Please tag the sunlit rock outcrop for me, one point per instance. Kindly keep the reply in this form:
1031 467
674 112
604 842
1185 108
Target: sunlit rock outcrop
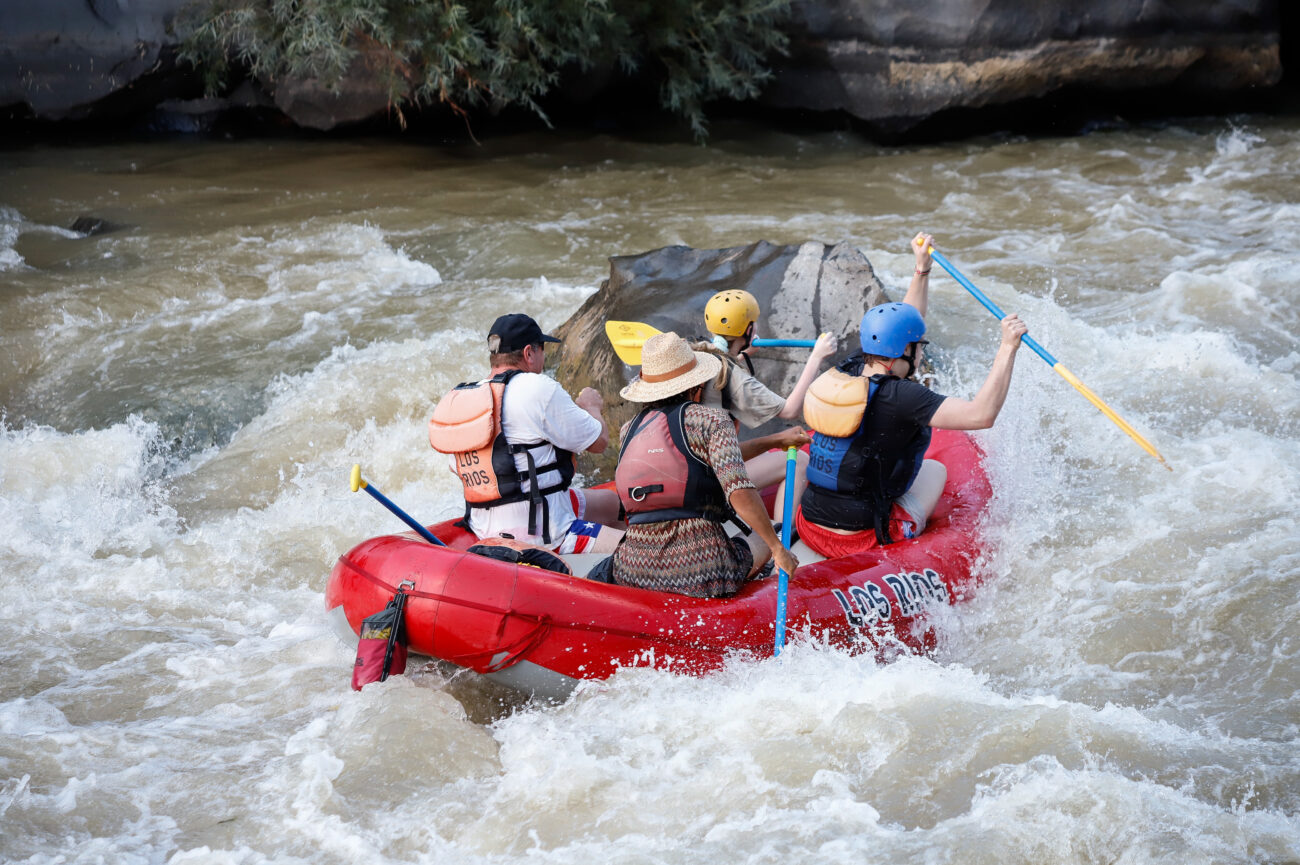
897 63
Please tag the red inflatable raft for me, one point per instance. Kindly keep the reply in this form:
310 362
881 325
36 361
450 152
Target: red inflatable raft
542 632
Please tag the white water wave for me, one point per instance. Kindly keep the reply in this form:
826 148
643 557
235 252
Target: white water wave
14 225
87 494
1237 142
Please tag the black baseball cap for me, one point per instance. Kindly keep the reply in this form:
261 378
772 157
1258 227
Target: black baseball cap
516 331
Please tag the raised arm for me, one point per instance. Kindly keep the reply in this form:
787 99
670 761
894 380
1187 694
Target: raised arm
918 291
981 412
822 349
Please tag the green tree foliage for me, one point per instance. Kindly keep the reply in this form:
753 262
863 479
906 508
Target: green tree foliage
478 54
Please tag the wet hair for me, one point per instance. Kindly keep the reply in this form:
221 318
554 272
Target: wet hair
909 355
670 401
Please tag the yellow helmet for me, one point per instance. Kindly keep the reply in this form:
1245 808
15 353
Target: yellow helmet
729 312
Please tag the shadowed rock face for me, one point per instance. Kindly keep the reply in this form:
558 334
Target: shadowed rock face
882 60
315 105
64 58
803 290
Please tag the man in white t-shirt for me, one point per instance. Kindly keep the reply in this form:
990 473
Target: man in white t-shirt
542 428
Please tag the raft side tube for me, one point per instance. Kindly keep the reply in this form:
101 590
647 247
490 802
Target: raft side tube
540 631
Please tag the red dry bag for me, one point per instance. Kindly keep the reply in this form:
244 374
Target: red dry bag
381 651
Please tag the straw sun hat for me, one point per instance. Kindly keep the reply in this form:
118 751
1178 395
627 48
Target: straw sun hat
668 367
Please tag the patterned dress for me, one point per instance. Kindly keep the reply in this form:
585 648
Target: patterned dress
692 556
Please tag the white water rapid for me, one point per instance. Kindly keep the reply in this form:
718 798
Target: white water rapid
184 396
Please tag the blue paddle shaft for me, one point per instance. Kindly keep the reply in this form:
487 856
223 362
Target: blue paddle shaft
989 305
787 522
421 530
785 343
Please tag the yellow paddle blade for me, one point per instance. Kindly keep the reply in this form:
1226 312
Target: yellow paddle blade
357 482
1055 364
1110 413
627 337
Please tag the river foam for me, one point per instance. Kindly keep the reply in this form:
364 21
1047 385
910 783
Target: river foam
184 398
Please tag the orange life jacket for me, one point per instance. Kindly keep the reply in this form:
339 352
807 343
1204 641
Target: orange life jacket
467 424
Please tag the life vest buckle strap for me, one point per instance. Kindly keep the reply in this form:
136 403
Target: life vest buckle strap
638 494
537 501
882 530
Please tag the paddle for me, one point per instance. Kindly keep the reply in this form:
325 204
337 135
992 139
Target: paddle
782 343
359 484
627 337
1051 361
786 523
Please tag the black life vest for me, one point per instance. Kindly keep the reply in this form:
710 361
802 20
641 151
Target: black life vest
467 423
851 484
507 549
658 477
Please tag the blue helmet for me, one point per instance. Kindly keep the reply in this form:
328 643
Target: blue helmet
889 328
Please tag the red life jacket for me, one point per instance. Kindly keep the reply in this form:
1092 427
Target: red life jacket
467 423
659 478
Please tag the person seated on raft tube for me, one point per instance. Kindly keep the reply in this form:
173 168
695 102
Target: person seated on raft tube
680 477
512 439
868 481
732 317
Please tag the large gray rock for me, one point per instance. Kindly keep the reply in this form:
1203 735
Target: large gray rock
311 103
899 62
803 290
62 58
75 59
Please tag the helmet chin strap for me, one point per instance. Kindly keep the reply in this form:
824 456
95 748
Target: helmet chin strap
911 365
748 337
747 341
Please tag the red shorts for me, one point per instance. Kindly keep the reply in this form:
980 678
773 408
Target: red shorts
833 544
